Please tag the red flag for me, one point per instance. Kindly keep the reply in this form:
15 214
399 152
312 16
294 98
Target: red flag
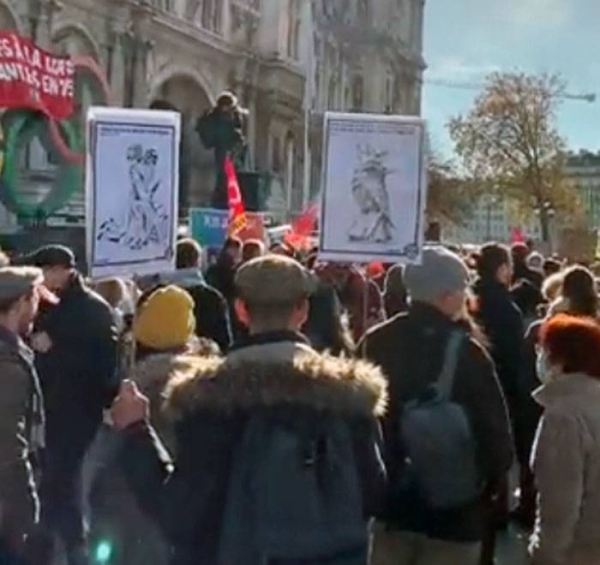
302 228
237 213
516 235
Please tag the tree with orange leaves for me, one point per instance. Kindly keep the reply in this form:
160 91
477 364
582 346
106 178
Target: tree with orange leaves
509 141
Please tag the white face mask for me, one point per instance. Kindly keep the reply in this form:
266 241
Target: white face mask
546 372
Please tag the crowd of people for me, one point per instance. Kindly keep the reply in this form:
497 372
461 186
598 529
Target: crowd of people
275 409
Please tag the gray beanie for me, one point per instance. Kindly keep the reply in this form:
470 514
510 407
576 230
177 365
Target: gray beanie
440 272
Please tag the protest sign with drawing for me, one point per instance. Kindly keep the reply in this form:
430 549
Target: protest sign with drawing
374 188
132 191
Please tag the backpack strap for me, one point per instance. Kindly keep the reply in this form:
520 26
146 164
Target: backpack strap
445 381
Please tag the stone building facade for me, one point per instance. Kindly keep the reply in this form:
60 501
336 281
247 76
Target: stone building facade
287 60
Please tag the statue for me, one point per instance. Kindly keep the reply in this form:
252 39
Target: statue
222 129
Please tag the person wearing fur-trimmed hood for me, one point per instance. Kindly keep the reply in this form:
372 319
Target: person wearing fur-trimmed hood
276 379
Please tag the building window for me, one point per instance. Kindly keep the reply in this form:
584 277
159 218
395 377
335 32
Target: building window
276 155
358 88
363 12
290 157
332 94
389 93
293 29
211 13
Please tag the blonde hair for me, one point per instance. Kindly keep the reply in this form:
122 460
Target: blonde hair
112 290
552 286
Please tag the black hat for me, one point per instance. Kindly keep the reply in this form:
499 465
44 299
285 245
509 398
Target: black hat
51 256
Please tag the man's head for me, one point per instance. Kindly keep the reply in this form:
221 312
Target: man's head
189 254
57 262
252 249
232 250
520 252
21 289
441 280
227 102
273 294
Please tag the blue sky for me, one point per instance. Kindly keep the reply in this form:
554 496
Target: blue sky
466 39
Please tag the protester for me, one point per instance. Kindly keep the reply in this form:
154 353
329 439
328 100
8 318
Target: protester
578 294
252 249
521 271
166 343
324 327
360 297
499 316
410 349
210 307
566 454
21 405
395 296
221 275
552 287
114 291
249 417
76 358
551 267
575 295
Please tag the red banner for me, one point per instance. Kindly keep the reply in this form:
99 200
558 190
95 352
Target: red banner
33 78
302 229
237 213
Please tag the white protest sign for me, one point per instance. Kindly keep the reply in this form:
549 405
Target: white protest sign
373 188
132 191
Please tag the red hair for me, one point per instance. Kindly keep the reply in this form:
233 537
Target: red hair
573 344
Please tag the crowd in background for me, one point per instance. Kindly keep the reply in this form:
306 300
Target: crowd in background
127 406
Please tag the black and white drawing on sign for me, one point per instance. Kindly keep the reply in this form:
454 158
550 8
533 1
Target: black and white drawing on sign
145 221
372 222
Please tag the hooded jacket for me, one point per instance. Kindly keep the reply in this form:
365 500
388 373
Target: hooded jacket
566 464
208 405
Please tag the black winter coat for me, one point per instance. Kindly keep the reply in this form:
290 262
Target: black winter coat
503 325
410 350
79 373
209 408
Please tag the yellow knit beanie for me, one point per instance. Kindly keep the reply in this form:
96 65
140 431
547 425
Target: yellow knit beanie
166 320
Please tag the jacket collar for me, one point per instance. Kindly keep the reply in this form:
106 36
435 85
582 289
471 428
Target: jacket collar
75 285
270 337
13 343
564 386
274 374
185 278
429 318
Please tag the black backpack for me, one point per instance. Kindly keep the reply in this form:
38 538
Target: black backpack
294 494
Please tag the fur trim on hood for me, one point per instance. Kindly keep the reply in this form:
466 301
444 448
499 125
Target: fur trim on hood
279 374
154 372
